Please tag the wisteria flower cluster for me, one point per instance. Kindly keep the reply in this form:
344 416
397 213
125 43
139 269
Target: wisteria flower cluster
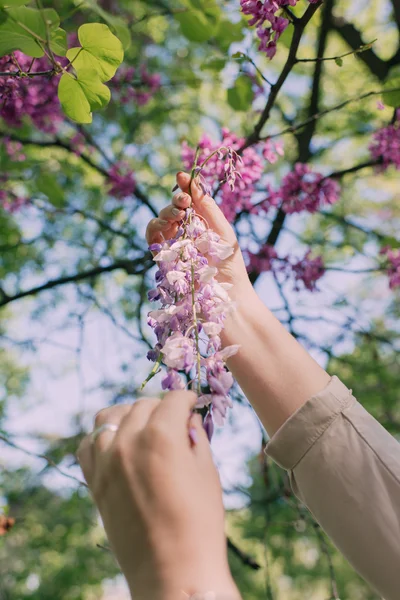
137 85
393 265
303 189
194 306
237 198
267 16
306 271
32 97
385 146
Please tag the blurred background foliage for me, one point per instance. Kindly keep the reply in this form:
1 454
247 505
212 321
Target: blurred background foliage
74 255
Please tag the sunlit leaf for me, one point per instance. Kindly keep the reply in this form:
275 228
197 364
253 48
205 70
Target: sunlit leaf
101 51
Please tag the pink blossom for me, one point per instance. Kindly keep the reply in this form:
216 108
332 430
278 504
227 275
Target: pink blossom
267 16
122 182
385 146
232 201
137 85
304 189
393 265
308 271
271 151
32 98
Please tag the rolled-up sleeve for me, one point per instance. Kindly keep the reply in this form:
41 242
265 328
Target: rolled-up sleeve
345 467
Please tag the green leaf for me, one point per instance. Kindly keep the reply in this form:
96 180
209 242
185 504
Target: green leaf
196 26
241 95
214 64
73 100
392 82
116 24
12 3
101 51
227 33
47 184
58 42
286 37
339 61
79 97
25 29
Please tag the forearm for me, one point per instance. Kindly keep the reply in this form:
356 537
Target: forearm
274 371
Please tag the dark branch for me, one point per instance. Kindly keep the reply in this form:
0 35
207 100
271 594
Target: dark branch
353 38
245 558
58 143
299 27
132 267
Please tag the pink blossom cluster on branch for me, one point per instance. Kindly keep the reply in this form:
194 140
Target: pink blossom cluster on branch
134 84
121 180
268 17
302 189
385 146
250 169
306 271
194 306
35 97
393 265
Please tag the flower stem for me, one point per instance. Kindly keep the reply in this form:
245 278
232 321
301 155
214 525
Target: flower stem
196 335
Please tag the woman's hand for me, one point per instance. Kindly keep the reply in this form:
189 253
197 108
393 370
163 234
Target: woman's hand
231 270
160 499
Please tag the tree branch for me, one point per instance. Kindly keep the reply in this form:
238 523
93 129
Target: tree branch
58 143
353 38
42 456
132 267
299 27
245 558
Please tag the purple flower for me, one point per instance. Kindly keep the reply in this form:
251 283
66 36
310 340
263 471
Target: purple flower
385 146
208 426
393 265
172 381
121 180
304 189
33 98
308 271
238 181
193 305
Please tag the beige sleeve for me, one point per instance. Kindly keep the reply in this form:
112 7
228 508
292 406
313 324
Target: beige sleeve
345 467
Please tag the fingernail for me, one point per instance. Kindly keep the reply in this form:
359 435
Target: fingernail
163 222
175 211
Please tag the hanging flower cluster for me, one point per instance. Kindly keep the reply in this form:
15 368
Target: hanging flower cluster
385 146
137 85
239 198
194 306
32 97
121 180
306 270
303 190
393 265
268 17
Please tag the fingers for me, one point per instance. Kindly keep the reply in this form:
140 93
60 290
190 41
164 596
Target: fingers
171 213
155 230
207 208
113 415
138 417
166 225
84 454
173 412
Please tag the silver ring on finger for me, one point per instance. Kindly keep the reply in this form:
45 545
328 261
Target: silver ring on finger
105 427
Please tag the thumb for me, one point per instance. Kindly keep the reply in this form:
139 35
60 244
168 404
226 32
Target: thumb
206 207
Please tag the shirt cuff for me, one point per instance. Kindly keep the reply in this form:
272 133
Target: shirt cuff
303 428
